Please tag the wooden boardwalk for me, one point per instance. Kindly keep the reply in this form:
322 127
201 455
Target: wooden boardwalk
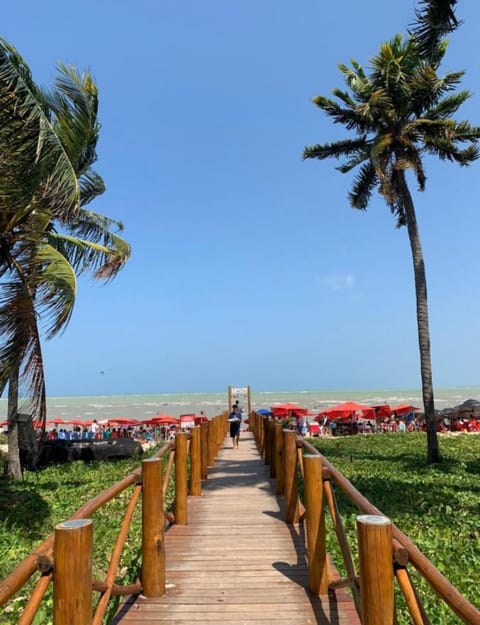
237 562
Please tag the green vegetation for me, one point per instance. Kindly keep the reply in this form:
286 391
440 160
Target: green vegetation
30 509
435 505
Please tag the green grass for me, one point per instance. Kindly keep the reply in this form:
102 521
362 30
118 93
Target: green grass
438 506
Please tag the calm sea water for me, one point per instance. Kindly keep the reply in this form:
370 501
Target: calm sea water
146 406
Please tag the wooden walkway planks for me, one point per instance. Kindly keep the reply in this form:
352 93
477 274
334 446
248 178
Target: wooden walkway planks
237 562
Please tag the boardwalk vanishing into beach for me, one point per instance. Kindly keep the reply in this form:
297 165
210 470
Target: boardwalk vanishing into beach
237 561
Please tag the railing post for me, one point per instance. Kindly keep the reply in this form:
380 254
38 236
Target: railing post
266 441
72 573
375 553
181 489
277 456
195 463
290 487
211 449
273 451
252 425
204 449
261 435
153 522
222 431
315 518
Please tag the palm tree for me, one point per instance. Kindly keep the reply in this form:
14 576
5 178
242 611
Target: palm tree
399 112
48 236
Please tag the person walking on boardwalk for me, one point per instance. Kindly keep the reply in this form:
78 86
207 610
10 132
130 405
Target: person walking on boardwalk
235 419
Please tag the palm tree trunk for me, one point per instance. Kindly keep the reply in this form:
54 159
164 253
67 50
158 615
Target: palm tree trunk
433 448
14 466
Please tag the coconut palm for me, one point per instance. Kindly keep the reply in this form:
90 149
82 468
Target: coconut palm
48 237
399 112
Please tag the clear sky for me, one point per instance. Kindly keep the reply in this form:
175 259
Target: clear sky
248 265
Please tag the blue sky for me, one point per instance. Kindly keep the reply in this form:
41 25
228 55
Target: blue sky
248 265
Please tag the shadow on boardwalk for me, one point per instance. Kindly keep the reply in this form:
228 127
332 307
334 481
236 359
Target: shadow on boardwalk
236 561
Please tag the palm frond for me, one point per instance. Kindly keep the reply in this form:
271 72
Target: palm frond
356 160
344 96
91 186
20 347
347 116
348 147
86 256
447 106
74 104
54 177
434 20
56 287
445 150
363 187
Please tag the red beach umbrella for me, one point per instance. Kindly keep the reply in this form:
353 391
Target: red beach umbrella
288 410
164 419
77 422
404 409
125 421
344 410
382 411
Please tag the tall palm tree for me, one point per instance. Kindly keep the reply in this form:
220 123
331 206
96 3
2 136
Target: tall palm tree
399 112
47 236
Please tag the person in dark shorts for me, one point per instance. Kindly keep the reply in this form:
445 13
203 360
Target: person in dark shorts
235 419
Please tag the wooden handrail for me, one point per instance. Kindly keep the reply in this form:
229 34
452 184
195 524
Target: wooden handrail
115 558
412 599
20 575
36 597
452 597
41 559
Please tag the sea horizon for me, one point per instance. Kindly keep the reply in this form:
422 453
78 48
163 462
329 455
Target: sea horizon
145 405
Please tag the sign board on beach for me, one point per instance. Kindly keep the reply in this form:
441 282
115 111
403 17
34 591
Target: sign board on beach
240 394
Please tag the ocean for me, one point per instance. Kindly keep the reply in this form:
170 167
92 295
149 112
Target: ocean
146 406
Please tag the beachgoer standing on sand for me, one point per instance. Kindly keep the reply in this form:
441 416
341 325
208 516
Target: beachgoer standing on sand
235 419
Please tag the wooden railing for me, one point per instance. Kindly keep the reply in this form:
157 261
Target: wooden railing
384 552
64 559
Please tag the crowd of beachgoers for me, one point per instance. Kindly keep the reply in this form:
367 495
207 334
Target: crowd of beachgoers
354 418
159 428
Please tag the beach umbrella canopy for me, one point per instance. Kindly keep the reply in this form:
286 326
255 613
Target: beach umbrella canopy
76 422
382 411
404 409
264 411
164 419
57 421
124 421
345 410
287 410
